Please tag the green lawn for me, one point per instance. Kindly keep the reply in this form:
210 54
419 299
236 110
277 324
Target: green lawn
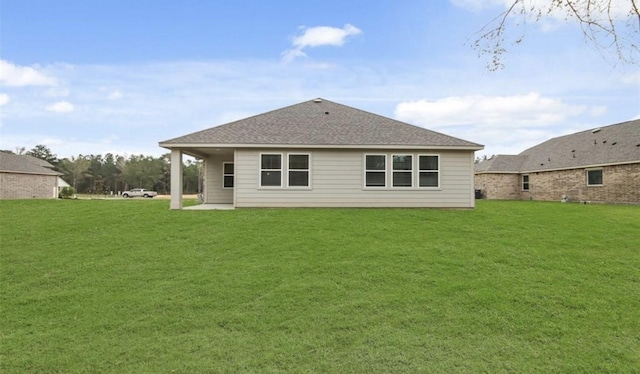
130 286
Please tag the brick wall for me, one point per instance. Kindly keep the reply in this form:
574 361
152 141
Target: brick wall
621 184
27 186
498 186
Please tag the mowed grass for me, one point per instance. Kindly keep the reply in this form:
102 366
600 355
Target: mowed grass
130 286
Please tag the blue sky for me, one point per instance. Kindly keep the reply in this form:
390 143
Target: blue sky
92 77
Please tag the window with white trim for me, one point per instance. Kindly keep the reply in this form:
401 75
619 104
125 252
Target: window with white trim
402 171
525 183
227 175
271 170
298 170
375 172
594 177
429 171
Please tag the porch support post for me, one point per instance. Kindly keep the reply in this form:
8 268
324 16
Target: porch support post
176 179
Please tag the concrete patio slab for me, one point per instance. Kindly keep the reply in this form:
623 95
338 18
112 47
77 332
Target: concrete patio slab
210 207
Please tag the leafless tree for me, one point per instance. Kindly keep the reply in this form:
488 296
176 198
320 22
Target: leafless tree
608 25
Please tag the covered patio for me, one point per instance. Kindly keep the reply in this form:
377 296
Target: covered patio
218 188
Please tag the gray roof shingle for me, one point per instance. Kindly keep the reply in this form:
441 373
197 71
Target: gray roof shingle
501 163
613 144
319 122
38 161
25 164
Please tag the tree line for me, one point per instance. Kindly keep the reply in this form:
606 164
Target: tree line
112 174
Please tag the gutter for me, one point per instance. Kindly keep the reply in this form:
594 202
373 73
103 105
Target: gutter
559 169
323 146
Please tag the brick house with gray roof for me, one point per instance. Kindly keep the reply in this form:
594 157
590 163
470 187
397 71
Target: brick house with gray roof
596 165
323 154
27 177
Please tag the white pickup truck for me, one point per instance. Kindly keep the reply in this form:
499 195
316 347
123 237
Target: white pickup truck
139 192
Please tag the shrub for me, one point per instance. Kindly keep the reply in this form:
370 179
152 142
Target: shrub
67 193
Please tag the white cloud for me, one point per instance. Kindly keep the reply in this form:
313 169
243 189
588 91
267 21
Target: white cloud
325 35
17 76
192 96
531 109
633 78
61 107
476 4
291 54
57 92
319 36
4 99
72 147
115 95
598 110
514 141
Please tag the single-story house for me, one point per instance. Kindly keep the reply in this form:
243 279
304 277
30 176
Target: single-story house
596 165
27 177
320 153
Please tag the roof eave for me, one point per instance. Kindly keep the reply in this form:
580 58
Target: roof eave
475 147
527 171
589 166
53 173
497 172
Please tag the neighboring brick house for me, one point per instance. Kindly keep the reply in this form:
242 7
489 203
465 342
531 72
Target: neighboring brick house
597 165
27 177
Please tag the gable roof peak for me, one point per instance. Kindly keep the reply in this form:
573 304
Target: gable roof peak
318 122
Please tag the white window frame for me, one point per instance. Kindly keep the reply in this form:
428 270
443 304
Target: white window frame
281 170
418 171
586 175
233 180
410 171
365 170
308 170
527 183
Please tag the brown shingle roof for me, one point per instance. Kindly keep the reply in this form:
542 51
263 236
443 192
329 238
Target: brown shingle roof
24 164
319 122
38 161
500 163
613 144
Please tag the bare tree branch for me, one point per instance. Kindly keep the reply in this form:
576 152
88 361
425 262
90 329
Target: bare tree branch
601 22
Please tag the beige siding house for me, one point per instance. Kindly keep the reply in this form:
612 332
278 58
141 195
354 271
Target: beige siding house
323 154
596 165
26 177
